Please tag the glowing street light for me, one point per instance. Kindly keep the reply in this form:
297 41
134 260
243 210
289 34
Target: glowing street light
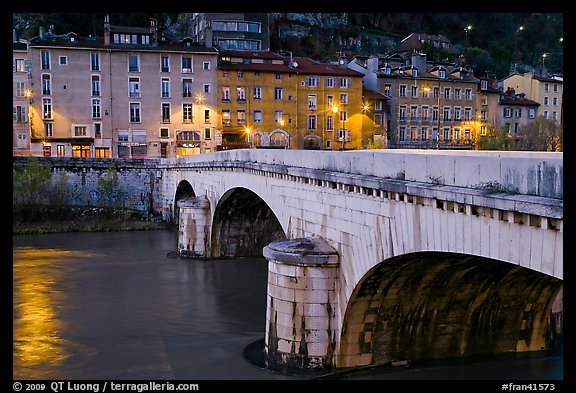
466 30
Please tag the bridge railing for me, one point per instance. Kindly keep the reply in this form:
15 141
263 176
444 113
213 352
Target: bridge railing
528 173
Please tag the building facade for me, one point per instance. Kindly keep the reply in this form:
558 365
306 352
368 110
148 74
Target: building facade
129 93
516 111
232 30
431 105
270 100
21 97
546 91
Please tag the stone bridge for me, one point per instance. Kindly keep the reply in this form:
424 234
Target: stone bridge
382 256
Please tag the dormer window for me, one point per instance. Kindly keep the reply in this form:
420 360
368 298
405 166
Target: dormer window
442 74
484 85
415 72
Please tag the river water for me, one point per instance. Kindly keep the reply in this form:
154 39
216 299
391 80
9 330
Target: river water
114 305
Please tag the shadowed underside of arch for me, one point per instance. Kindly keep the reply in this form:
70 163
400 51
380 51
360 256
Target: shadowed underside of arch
243 224
434 305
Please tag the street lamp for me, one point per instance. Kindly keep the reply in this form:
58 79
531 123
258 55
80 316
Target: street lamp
248 130
466 30
342 133
428 88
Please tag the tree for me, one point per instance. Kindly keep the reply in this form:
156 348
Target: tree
31 188
496 139
541 135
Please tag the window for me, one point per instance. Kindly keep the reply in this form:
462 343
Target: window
81 151
206 65
378 119
19 65
164 133
413 113
329 82
402 134
134 112
95 61
483 130
98 130
95 86
402 92
413 133
46 85
47 108
555 101
446 114
240 74
425 113
240 117
187 113
63 60
134 87
311 101
80 131
467 114
187 88
257 92
446 133
329 123
164 64
165 88
484 100
49 129
377 105
442 74
546 100
457 93
312 81
545 114
47 150
424 133
225 94
554 115
206 116
507 112
20 114
186 64
387 90
60 151
447 93
165 112
207 133
278 93
133 63
311 122
531 113
483 85
278 116
278 76
402 113
330 101
344 82
546 87
517 112
206 88
257 118
101 152
343 116
96 108
414 91
468 94
457 112
226 121
45 60
241 94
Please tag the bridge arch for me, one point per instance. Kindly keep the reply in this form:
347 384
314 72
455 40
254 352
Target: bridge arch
184 190
440 305
243 224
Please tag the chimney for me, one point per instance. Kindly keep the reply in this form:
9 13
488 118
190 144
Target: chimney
208 37
41 33
107 30
153 31
419 61
14 35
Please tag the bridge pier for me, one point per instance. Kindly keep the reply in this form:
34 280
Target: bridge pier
301 314
193 227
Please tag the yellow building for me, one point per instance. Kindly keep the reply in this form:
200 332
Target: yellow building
267 100
548 92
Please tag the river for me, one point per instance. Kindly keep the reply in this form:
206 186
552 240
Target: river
114 305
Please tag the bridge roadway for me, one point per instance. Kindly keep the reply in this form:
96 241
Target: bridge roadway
380 256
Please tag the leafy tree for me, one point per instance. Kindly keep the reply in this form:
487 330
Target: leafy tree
496 139
31 188
541 135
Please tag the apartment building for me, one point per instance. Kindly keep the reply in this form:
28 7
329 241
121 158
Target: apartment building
516 111
21 97
271 100
431 105
131 93
232 30
544 90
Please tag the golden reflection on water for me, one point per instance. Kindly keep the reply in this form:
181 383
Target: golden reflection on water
38 332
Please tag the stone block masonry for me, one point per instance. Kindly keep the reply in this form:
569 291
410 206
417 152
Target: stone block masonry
301 315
